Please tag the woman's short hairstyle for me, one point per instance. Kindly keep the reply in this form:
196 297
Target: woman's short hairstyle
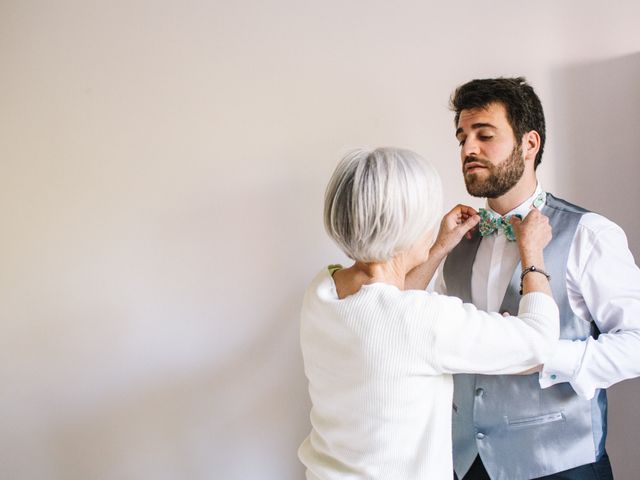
381 202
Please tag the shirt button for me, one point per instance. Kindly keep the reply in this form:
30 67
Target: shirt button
479 435
479 392
553 376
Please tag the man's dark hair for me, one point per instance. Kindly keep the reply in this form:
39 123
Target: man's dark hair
524 110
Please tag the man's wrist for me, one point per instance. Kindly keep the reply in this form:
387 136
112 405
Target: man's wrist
529 257
528 270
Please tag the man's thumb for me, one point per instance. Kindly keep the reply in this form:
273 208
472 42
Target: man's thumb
515 220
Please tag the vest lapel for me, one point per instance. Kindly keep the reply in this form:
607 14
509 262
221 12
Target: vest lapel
511 300
458 267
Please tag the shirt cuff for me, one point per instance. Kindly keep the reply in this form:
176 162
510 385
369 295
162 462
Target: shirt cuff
564 364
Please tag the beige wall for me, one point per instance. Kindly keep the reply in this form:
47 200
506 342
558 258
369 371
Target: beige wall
161 172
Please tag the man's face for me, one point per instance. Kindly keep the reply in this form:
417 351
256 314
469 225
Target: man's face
492 161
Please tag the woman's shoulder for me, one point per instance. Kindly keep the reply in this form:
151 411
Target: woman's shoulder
322 284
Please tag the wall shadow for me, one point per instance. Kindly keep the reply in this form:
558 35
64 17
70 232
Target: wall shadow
596 126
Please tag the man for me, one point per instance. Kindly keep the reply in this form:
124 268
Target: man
551 422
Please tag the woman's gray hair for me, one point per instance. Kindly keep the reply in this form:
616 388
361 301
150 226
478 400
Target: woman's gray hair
381 202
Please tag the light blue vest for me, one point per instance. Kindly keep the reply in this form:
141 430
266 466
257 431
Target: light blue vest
520 430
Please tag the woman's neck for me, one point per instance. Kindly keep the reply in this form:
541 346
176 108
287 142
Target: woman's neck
391 272
349 280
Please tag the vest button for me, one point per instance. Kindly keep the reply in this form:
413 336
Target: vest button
479 392
553 376
480 435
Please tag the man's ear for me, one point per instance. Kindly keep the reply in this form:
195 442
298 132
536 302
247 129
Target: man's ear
530 145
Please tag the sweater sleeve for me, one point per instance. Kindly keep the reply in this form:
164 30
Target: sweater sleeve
467 340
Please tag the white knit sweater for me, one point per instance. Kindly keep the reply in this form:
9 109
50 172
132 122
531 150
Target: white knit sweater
379 365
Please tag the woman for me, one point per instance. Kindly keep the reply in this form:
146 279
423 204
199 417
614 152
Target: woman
379 358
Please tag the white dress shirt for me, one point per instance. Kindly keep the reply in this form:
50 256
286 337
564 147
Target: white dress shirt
603 285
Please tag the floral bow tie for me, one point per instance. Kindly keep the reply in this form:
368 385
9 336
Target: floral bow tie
490 223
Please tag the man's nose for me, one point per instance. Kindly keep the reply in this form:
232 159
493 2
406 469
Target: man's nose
470 147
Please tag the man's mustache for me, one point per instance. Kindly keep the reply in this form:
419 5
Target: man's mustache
480 161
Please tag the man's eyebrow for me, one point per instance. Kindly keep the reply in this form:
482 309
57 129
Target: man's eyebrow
475 126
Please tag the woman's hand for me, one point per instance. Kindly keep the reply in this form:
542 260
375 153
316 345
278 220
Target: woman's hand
454 225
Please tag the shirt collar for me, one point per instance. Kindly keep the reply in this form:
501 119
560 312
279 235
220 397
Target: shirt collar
524 207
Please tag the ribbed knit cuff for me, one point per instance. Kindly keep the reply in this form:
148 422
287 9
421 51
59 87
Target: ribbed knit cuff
538 303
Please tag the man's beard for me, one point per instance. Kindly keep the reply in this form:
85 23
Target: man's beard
501 177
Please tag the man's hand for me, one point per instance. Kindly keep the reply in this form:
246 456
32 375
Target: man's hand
533 233
457 223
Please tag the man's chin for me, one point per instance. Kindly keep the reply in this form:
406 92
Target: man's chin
481 190
475 188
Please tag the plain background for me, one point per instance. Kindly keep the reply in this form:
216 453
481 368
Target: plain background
162 166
